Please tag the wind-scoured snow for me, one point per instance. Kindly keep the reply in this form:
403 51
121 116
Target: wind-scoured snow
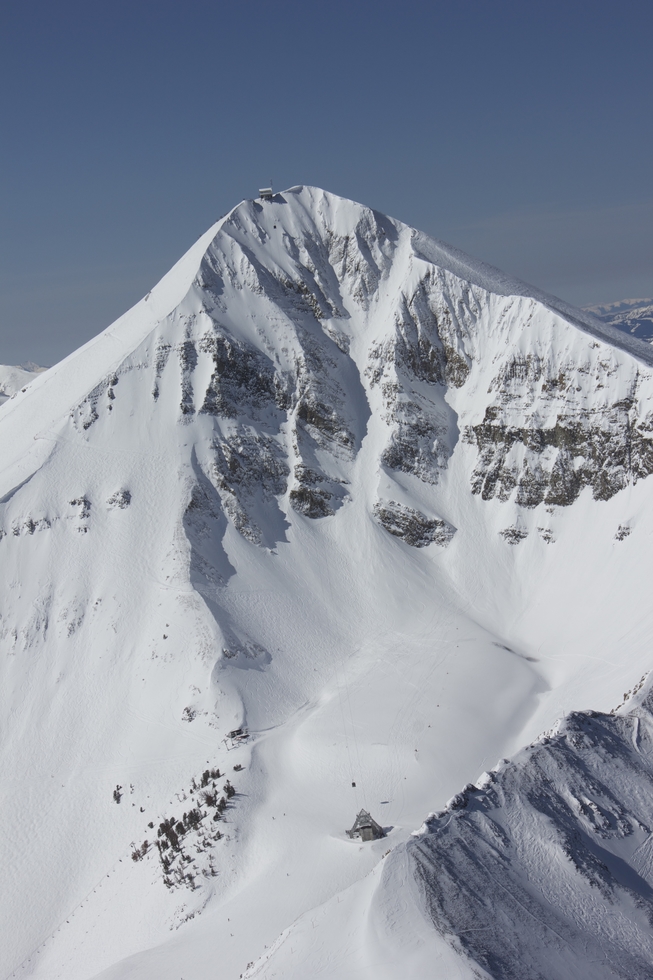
334 483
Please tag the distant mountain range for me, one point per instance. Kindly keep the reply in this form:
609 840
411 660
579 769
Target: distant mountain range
633 316
13 378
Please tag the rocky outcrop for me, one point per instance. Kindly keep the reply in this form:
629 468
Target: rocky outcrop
413 369
411 525
242 379
603 449
120 499
312 495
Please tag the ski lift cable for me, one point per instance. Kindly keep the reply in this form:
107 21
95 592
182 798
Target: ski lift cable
336 674
344 692
361 779
407 707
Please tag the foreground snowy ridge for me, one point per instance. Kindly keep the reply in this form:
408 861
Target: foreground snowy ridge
543 870
338 484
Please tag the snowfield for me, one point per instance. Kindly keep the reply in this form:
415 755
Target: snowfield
384 508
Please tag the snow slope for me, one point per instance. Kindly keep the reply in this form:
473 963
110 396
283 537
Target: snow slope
337 483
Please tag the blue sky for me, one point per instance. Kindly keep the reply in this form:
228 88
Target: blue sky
519 131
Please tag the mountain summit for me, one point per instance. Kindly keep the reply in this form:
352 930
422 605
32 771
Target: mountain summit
333 487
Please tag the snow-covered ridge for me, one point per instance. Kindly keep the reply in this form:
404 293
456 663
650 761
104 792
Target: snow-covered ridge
560 837
332 482
543 868
417 313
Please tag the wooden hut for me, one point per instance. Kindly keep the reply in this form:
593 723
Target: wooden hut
234 738
366 827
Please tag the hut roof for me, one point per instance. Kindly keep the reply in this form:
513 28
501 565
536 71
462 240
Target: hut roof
364 821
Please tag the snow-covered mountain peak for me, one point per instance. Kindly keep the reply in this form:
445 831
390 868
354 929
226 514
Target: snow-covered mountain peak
332 482
290 297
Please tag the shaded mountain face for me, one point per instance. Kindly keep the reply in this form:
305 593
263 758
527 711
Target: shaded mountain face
331 481
561 838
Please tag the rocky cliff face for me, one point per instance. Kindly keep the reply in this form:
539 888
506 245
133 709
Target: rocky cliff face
553 427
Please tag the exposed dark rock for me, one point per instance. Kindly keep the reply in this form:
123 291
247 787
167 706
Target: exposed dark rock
313 495
429 342
310 501
242 378
84 505
29 526
121 499
603 449
513 535
323 418
188 362
427 350
361 260
88 411
160 360
411 525
306 299
250 461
